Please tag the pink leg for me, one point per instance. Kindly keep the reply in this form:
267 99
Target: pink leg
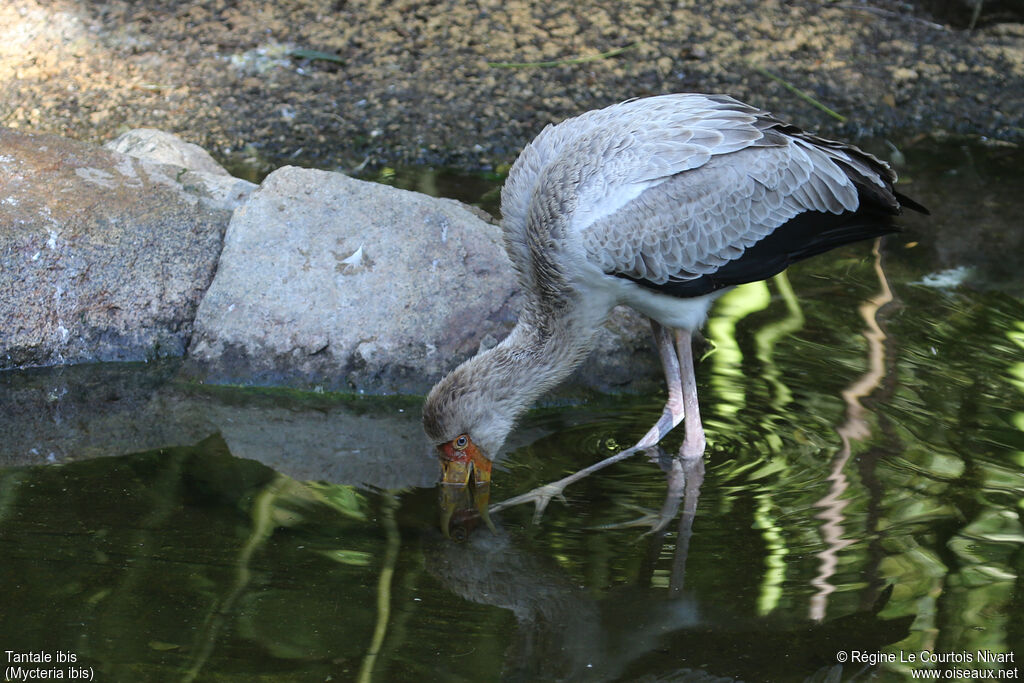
694 441
673 412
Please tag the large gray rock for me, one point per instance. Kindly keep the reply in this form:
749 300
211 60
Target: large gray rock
197 170
166 148
103 257
326 282
339 284
331 283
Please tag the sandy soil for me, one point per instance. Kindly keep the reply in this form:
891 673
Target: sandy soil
414 81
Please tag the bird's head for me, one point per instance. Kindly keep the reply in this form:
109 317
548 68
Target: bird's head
467 421
461 457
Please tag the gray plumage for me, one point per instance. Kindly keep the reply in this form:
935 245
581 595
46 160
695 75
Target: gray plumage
620 205
674 186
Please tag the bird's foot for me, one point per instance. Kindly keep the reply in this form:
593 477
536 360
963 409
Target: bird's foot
654 520
542 495
539 496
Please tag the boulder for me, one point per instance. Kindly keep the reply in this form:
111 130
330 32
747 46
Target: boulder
331 283
197 170
103 256
166 148
327 282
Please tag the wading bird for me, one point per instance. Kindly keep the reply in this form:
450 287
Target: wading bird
662 204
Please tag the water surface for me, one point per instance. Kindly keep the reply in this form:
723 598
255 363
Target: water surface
860 500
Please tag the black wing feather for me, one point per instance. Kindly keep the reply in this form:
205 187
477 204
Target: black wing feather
805 235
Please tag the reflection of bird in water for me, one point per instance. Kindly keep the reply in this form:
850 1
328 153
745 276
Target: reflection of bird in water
661 204
640 633
557 621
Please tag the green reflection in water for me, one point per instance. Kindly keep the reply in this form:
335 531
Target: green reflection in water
892 457
865 431
775 556
729 396
193 563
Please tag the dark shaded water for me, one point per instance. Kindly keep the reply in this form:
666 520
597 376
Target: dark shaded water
861 500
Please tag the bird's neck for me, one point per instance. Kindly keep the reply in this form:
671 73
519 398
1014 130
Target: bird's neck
547 344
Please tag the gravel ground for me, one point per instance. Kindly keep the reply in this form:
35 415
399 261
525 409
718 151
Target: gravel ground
414 81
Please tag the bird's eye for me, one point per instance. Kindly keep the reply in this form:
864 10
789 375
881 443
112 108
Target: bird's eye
461 442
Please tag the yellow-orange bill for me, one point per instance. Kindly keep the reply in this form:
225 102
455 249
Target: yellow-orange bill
462 509
455 473
456 466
